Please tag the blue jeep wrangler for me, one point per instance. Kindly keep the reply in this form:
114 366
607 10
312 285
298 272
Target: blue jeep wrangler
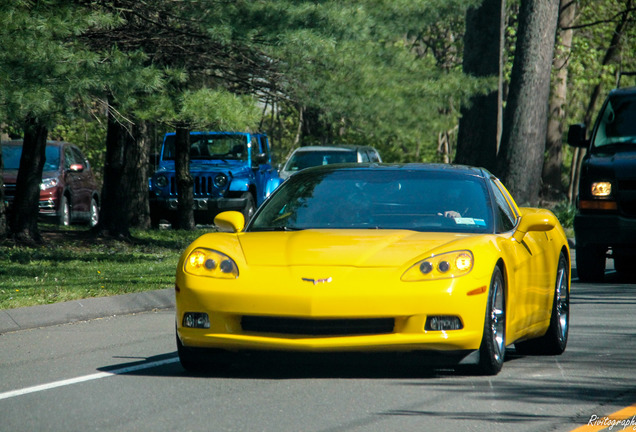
231 171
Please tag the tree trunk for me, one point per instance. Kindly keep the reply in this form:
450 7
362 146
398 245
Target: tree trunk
114 213
25 211
478 136
185 206
136 169
3 214
520 158
552 184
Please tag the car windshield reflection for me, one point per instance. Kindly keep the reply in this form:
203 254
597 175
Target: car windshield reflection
373 199
11 155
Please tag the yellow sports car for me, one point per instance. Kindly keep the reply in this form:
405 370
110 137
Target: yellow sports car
361 258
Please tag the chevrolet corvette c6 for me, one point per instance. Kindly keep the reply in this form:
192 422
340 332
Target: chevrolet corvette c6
363 258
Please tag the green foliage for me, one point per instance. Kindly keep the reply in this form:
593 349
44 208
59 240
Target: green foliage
565 212
596 24
206 109
43 68
89 134
70 269
380 72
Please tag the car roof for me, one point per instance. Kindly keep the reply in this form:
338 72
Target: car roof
343 147
219 133
624 91
429 167
19 142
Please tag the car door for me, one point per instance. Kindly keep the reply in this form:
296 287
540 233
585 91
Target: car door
77 180
527 267
261 163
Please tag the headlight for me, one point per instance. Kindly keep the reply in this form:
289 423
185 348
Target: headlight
48 183
442 266
220 181
161 181
211 263
601 189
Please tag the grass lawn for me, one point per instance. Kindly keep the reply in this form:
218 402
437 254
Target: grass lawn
72 265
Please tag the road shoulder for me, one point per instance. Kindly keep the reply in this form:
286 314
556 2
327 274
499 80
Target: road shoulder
85 309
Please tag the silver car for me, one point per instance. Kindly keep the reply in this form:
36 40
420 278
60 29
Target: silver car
309 156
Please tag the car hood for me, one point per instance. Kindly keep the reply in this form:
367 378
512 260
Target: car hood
9 176
358 248
619 165
208 166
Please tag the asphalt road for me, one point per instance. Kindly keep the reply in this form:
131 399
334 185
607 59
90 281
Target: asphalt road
120 373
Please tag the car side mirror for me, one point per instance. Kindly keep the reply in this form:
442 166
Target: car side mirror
534 220
76 168
577 135
261 158
230 221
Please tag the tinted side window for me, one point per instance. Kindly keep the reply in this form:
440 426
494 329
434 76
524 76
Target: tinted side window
69 158
505 218
364 157
373 156
79 157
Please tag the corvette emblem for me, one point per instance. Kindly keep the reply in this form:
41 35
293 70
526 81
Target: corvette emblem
317 281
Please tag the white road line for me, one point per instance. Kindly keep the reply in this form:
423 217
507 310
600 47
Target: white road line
71 381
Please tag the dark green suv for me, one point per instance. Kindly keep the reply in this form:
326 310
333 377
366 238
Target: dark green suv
605 224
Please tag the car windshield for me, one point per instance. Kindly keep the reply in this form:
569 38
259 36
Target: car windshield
370 198
210 147
305 159
617 123
11 157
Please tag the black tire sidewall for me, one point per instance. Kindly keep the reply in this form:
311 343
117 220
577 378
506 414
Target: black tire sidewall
489 362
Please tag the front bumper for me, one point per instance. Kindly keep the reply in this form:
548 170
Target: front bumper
368 295
607 230
204 208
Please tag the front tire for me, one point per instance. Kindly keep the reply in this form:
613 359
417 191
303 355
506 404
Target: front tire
493 343
250 207
590 263
199 360
556 338
623 263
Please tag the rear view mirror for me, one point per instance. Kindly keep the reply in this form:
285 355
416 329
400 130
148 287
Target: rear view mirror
576 135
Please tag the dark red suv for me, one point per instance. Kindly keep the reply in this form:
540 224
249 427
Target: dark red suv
68 192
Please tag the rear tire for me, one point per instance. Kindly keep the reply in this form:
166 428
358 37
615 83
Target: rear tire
93 217
64 212
493 343
556 338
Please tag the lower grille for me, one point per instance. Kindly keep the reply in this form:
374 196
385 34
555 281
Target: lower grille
318 327
9 191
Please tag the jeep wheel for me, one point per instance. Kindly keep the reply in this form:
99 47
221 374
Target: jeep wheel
590 263
250 206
